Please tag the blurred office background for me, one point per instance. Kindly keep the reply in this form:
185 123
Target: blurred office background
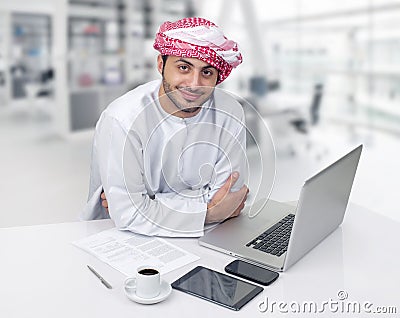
323 75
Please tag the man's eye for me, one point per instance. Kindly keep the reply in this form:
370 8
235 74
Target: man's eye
207 73
183 67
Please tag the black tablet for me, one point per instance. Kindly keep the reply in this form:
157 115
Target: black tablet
216 287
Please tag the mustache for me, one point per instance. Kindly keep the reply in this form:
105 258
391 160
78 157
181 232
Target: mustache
190 90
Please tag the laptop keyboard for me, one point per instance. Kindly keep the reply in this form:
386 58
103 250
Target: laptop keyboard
276 239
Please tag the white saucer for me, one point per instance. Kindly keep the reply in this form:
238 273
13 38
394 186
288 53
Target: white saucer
166 289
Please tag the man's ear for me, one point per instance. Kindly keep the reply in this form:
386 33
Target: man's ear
160 63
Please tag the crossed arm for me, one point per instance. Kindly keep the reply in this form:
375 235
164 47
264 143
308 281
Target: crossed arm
224 204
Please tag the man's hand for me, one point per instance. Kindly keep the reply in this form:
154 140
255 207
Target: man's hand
104 202
226 204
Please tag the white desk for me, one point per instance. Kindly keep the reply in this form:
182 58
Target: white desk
43 275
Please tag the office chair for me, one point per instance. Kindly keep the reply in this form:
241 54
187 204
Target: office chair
302 125
292 126
306 125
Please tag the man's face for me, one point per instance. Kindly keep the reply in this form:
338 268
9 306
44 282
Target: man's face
188 82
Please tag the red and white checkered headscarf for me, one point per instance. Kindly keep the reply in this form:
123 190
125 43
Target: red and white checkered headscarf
201 39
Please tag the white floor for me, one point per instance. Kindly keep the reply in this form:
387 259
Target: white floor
44 179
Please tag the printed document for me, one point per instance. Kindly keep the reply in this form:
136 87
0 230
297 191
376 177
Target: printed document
125 251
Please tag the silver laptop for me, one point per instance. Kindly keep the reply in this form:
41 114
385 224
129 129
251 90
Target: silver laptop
281 234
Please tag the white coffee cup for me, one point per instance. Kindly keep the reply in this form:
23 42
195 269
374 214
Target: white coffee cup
147 282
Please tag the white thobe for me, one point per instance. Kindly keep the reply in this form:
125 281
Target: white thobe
159 171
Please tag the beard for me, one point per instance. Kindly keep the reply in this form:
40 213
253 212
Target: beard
180 102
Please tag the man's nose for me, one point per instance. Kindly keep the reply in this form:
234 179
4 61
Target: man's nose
195 80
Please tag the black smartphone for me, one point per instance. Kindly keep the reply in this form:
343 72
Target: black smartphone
251 272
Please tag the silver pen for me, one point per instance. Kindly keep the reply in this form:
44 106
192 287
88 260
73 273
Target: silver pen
103 281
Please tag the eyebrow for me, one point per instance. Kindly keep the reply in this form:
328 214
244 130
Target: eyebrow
187 62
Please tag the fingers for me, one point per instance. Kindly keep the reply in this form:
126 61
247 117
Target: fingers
243 195
225 204
103 195
230 206
231 181
238 198
238 210
243 192
225 190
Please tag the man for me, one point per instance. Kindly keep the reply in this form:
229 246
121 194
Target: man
168 154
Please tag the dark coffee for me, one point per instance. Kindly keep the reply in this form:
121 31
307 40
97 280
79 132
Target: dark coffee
148 271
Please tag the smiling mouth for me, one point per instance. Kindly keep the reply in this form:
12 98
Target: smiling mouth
189 96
